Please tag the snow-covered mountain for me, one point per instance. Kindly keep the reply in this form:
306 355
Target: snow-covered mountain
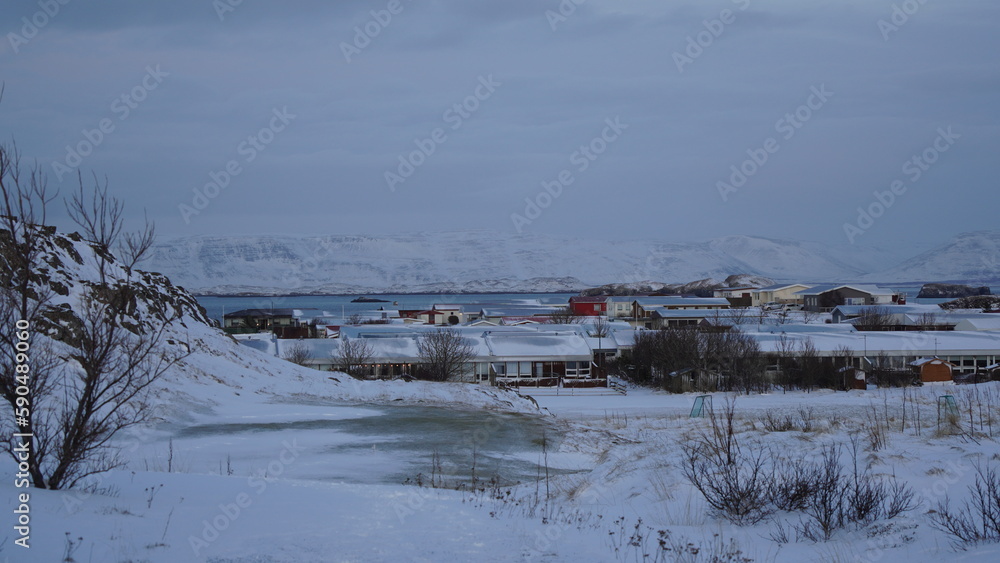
481 261
969 258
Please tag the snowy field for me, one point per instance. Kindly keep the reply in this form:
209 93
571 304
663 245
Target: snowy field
259 477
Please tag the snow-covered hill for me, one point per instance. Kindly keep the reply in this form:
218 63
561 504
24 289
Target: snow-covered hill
481 261
969 258
217 369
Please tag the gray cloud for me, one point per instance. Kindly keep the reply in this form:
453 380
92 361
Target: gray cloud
325 172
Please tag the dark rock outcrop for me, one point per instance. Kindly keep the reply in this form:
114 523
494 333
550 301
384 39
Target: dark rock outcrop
947 290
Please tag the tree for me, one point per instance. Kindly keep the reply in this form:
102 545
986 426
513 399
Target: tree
25 198
808 317
808 364
444 355
600 328
873 318
353 356
298 353
928 321
785 357
563 316
92 367
742 360
657 353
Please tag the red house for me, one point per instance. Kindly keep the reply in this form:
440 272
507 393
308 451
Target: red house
589 306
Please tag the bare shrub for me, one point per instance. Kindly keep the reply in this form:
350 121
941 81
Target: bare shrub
978 519
794 484
807 418
877 431
826 507
746 484
298 353
842 498
777 423
734 483
353 356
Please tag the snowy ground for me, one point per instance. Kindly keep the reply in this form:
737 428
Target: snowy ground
260 485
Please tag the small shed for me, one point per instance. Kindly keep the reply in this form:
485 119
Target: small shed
933 370
854 378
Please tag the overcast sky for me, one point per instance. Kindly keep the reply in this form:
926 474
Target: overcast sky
311 105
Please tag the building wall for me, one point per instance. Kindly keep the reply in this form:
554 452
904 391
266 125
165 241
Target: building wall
588 309
935 371
786 295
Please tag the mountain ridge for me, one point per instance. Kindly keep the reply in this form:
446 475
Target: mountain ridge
485 262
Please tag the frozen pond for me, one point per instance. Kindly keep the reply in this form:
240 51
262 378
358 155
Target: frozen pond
351 444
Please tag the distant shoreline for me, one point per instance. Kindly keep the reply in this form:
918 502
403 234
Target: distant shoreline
245 295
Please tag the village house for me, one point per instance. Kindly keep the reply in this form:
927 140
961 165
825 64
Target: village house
737 296
589 306
287 323
784 294
537 355
643 308
824 298
619 306
968 352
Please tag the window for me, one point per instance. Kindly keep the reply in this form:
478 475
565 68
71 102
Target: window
482 371
577 369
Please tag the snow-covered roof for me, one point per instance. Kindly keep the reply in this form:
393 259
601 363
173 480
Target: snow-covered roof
805 328
269 312
852 310
780 286
923 361
558 346
518 312
673 301
589 299
985 321
869 289
896 343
